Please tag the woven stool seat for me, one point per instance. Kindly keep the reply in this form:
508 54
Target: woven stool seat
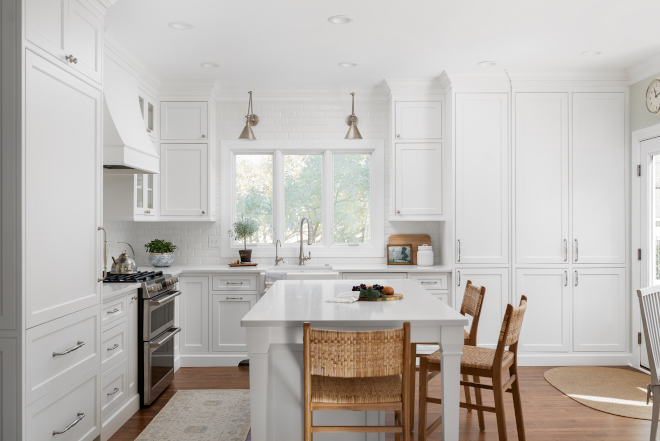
466 335
477 358
356 390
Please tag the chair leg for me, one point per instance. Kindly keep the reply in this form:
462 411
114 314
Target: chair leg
397 421
468 395
480 413
498 393
517 404
423 391
413 366
656 413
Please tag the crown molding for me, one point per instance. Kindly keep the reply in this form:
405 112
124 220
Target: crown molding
412 87
577 77
204 89
481 80
101 5
362 93
143 71
644 69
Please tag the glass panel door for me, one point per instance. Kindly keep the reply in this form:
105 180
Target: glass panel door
150 117
150 192
139 186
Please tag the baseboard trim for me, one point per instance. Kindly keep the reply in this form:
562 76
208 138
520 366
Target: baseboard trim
575 359
177 363
212 360
114 422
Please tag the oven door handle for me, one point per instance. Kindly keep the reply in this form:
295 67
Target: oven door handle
158 344
165 299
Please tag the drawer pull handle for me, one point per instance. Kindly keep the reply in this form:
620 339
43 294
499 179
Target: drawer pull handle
234 283
134 298
234 298
429 283
114 347
71 349
67 428
116 389
113 311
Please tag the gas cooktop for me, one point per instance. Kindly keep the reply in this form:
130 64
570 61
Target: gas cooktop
138 277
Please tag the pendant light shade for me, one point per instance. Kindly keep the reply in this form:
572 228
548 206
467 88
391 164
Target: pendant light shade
250 120
352 120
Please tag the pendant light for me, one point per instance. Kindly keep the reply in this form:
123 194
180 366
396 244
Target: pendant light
352 120
250 120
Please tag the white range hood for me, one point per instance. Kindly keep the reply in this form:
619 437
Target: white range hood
126 146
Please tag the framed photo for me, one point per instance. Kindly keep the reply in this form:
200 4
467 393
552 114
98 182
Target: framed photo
399 254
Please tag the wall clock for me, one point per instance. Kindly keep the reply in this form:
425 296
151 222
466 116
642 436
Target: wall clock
653 96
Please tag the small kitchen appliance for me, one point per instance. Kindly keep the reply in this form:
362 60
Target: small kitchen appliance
124 264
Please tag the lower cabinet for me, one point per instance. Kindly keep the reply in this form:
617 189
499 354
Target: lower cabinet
194 315
114 389
132 337
228 310
373 277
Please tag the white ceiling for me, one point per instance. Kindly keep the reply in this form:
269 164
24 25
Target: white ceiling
291 43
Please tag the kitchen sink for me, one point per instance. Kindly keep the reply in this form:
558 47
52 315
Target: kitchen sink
300 269
307 272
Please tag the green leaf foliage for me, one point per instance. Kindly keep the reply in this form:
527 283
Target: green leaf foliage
159 246
243 229
370 293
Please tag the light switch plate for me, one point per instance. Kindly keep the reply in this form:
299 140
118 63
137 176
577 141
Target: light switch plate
214 241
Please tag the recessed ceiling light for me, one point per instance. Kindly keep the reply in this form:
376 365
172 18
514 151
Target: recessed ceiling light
487 63
181 26
347 64
591 53
340 19
209 65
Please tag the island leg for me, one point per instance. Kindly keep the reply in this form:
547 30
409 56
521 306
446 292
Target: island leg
258 342
451 347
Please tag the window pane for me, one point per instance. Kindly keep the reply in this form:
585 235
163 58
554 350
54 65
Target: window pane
302 196
352 198
254 193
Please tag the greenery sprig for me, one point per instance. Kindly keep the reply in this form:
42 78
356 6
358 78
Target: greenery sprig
370 293
159 246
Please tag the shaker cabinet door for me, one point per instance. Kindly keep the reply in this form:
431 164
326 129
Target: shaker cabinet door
184 179
85 41
46 24
417 120
184 121
418 178
194 314
228 310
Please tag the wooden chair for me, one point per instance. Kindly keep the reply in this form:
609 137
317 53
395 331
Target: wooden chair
357 371
649 305
473 299
483 362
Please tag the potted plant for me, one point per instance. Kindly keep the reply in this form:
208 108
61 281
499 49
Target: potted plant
244 228
161 253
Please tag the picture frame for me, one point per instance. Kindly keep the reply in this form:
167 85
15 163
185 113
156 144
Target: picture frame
399 254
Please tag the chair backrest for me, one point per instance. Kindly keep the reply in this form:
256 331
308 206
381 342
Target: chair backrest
512 324
649 305
350 354
473 300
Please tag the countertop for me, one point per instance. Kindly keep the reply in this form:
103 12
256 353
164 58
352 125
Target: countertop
112 289
176 270
290 303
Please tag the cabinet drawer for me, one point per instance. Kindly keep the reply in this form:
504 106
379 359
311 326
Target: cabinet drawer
235 283
114 346
66 405
370 277
75 336
112 311
432 281
114 385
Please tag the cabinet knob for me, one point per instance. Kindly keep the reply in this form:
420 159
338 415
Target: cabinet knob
398 136
203 136
71 59
203 212
398 211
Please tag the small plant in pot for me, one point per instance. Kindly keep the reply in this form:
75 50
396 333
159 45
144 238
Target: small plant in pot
161 253
244 228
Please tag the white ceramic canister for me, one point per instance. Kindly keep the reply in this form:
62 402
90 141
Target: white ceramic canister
425 255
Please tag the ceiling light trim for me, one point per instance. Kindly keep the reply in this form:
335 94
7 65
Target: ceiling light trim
181 26
341 19
347 64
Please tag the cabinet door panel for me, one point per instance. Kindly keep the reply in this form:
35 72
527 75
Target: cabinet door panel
599 219
184 121
546 325
418 178
418 120
228 310
496 281
132 333
85 40
194 314
482 178
62 191
184 179
541 139
599 310
46 24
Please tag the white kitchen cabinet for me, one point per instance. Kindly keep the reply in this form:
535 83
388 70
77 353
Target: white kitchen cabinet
114 389
67 28
184 121
482 178
369 278
184 180
228 310
417 120
546 326
133 339
541 147
194 315
148 109
63 157
599 310
599 207
418 187
145 197
496 281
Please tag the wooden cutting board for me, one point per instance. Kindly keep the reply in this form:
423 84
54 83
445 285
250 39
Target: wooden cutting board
415 239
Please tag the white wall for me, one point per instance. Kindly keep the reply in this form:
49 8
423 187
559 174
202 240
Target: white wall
279 119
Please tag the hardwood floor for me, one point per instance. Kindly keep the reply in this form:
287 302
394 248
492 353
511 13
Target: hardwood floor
549 415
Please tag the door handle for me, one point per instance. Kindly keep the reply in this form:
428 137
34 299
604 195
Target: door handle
234 298
158 344
114 391
565 250
459 278
105 254
459 250
576 249
79 345
566 276
80 416
113 348
577 278
165 299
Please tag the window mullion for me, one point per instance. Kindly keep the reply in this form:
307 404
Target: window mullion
278 196
328 215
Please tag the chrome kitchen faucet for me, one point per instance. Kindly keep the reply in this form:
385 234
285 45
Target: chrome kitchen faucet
302 258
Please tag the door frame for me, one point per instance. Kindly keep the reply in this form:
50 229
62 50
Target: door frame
638 137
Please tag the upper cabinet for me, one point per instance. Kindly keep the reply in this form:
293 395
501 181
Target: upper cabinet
482 178
148 109
184 180
418 120
184 121
69 31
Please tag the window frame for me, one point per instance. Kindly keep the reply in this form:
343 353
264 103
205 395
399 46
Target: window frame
228 152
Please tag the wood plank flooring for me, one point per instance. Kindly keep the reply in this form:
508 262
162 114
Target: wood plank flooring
549 415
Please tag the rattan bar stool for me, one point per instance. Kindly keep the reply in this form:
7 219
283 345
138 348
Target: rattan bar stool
357 371
649 305
473 299
483 362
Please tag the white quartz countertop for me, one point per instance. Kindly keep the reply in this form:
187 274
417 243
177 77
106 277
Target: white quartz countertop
290 303
176 270
111 289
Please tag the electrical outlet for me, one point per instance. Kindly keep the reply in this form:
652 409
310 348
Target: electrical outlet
214 241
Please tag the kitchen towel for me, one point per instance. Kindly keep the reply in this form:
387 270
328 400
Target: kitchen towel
346 297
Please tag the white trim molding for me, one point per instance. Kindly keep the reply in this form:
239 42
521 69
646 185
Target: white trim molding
643 69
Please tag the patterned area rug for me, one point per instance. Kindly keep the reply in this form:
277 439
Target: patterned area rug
208 415
611 390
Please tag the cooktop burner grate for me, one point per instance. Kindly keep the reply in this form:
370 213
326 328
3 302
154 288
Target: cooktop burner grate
140 276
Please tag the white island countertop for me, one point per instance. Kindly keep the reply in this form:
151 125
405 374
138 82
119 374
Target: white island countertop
290 303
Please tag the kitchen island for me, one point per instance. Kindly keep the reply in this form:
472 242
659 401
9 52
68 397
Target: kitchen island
274 340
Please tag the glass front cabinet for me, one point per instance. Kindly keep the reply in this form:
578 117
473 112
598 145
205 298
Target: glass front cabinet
146 184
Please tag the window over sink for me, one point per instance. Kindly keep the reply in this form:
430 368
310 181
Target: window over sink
337 185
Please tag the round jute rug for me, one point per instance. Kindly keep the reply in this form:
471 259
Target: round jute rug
617 391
